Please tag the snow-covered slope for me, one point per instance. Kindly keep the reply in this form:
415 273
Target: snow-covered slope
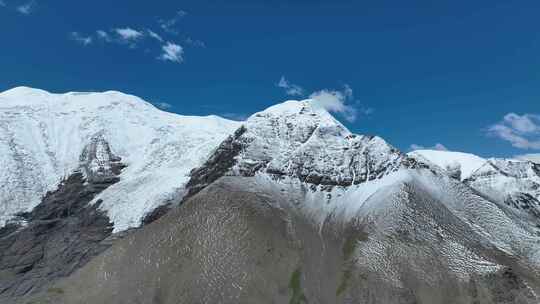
43 137
451 161
514 183
299 139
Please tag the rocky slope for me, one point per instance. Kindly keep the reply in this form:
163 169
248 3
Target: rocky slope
64 231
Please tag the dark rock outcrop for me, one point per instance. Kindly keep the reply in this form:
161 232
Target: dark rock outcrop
63 232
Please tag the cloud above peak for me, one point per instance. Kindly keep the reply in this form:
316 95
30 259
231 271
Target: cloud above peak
336 102
290 89
521 131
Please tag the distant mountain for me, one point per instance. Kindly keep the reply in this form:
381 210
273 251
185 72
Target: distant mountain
286 207
513 184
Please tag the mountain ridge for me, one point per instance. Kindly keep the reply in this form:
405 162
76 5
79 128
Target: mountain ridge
220 206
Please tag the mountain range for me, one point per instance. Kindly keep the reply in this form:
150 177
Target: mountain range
106 199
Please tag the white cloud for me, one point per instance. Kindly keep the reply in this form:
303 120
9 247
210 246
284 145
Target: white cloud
290 89
172 52
533 157
195 43
522 131
84 40
437 146
128 34
2 3
27 8
101 34
168 25
337 102
155 35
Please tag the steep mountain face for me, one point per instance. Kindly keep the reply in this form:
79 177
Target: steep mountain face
64 231
293 208
42 137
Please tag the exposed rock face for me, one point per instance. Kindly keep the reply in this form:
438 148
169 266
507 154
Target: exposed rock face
62 233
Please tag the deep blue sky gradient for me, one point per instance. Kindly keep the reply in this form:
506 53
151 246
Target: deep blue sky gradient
433 71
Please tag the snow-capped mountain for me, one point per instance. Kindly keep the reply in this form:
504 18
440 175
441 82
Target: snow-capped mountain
286 207
511 182
461 165
44 136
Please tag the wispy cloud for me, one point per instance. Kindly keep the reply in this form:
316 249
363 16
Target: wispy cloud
2 3
195 43
437 146
128 35
27 8
521 131
172 52
155 35
84 40
169 25
149 39
290 89
103 35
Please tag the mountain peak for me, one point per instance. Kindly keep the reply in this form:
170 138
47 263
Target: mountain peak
301 140
301 114
23 91
468 163
27 96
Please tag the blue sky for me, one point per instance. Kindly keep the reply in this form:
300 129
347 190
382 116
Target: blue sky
464 74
